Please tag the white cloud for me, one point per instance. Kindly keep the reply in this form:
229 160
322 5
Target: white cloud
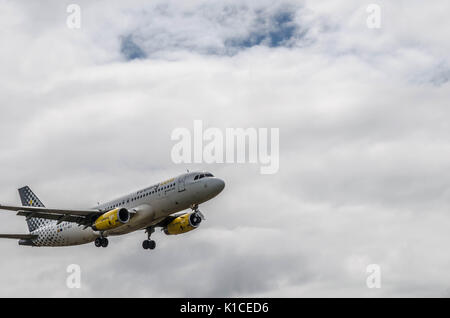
363 137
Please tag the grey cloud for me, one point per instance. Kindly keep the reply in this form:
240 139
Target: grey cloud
441 75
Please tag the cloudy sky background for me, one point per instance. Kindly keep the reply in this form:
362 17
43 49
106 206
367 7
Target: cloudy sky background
87 114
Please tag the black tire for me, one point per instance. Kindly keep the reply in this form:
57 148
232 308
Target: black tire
105 242
98 242
145 245
152 245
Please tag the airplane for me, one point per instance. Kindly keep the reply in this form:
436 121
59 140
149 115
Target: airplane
157 206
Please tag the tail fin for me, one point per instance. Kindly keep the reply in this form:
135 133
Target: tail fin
28 198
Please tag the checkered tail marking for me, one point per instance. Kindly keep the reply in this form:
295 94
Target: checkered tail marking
28 198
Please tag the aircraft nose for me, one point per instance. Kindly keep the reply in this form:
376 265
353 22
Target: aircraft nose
219 185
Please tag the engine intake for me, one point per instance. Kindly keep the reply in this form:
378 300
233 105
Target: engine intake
183 224
112 219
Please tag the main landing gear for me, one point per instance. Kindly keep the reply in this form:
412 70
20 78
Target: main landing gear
149 244
101 242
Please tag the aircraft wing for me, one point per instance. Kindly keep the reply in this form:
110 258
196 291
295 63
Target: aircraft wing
82 217
19 236
47 210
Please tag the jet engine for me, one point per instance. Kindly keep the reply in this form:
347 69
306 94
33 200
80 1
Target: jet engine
183 224
112 219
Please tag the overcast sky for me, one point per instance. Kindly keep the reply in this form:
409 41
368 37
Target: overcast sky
87 114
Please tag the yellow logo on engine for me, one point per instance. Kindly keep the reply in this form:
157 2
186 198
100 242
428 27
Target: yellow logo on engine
179 225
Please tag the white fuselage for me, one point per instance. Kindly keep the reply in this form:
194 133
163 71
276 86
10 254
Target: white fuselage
148 207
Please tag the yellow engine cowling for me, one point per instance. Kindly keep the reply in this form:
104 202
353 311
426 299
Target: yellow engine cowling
112 219
183 224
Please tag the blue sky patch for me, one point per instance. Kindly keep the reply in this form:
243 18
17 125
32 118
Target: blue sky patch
130 50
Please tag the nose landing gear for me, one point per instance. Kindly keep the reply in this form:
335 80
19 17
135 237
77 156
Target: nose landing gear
149 244
194 208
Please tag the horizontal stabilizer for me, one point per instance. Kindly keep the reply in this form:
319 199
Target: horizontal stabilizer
19 236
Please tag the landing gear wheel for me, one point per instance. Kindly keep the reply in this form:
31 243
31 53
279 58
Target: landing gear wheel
149 245
101 242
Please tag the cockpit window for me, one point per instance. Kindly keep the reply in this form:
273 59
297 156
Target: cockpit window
203 175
